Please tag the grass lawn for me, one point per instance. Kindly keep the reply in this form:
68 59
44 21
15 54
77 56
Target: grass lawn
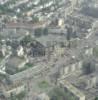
43 84
95 51
1 58
21 96
28 65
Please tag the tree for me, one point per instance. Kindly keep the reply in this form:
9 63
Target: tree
88 66
35 19
95 51
42 3
45 31
27 39
68 37
69 32
54 77
59 94
13 97
96 98
38 32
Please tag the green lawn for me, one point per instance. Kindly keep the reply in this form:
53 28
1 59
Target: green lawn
28 65
95 51
21 96
60 94
43 84
1 58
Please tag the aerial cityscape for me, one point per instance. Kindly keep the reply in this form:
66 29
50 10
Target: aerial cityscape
48 49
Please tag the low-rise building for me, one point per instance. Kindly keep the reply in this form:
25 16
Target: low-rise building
90 81
12 89
68 87
43 96
15 64
72 67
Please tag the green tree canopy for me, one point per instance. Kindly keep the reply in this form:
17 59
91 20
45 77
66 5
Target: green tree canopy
96 98
59 94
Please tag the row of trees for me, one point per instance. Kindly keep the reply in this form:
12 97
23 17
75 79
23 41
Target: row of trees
96 98
20 96
70 34
59 94
39 32
88 66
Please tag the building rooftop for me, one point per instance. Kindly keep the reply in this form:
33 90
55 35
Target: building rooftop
15 61
72 89
11 86
50 39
